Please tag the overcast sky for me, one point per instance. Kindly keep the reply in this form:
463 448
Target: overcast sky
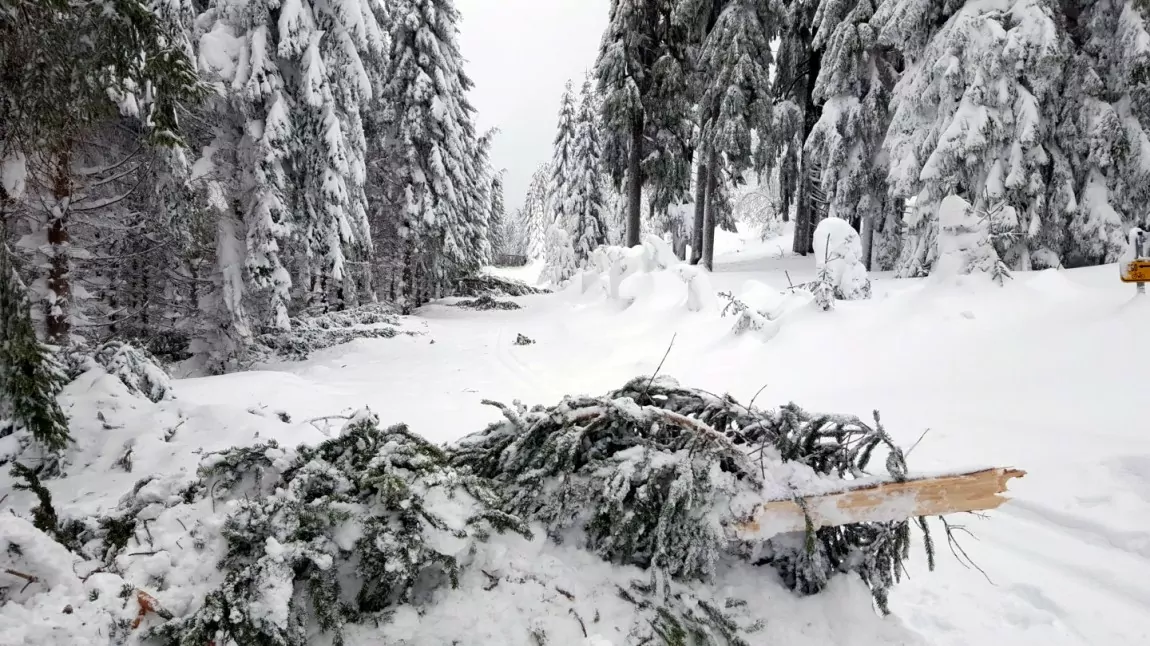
520 53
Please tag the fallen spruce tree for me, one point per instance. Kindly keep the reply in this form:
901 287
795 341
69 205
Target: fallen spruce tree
674 483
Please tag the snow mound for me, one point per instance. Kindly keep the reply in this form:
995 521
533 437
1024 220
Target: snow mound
964 245
839 260
650 275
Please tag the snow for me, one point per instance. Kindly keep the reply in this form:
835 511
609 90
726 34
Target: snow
839 258
1040 374
13 174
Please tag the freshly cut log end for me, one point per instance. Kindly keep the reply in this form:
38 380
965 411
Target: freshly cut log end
882 502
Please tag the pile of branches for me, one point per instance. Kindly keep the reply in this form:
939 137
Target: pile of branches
487 285
313 333
654 474
335 534
486 302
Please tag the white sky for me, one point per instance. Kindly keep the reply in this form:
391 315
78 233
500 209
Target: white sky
520 53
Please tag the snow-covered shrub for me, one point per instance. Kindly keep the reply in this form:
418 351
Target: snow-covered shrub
318 537
135 367
700 293
964 242
560 263
653 475
841 272
760 308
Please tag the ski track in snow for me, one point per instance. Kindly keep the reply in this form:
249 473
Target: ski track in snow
1041 374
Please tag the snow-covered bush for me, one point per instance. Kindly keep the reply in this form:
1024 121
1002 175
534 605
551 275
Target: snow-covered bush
841 272
135 367
654 475
964 242
559 258
318 537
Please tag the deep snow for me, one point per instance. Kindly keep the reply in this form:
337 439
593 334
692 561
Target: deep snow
1042 374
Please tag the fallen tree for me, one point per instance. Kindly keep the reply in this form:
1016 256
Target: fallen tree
670 502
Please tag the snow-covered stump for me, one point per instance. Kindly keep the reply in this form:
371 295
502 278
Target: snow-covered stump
840 270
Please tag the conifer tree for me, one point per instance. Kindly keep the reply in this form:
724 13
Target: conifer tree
854 85
58 87
1101 167
980 131
563 160
30 376
735 98
432 142
642 79
537 215
798 66
588 207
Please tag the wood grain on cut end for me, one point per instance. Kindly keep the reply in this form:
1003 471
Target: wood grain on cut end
883 502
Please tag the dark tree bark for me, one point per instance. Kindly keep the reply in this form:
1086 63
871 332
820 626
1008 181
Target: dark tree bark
805 214
709 215
700 207
635 183
57 324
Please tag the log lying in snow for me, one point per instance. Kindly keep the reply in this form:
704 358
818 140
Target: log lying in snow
882 502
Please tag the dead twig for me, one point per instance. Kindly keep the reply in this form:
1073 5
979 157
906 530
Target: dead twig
27 577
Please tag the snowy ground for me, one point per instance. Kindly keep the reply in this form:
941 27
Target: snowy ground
1042 375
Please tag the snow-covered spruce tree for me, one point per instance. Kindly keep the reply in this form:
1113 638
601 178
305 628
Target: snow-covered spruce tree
497 219
797 67
335 534
536 210
57 88
732 75
653 474
642 80
1100 133
560 263
563 160
30 375
432 143
854 85
972 117
587 200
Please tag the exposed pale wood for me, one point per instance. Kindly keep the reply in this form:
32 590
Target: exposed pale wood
888 501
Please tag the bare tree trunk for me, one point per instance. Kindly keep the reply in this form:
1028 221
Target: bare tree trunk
635 190
57 324
709 216
700 206
867 234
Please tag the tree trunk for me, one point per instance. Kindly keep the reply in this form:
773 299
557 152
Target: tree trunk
709 215
700 206
635 178
872 503
805 212
867 234
57 324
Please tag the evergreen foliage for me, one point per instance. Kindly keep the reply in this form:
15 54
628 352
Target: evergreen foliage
335 534
648 474
30 375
